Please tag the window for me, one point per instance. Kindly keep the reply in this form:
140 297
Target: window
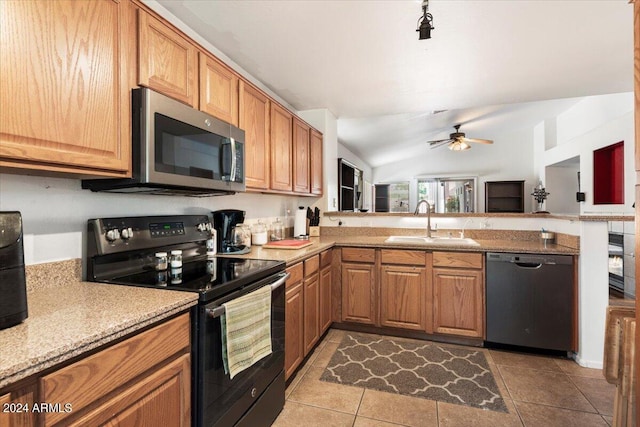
448 195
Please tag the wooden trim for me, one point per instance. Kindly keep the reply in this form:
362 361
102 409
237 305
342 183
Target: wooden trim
404 257
311 265
358 254
457 259
297 274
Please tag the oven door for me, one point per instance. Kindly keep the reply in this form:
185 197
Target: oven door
219 400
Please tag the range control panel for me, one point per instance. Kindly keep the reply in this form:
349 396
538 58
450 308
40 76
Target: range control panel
113 235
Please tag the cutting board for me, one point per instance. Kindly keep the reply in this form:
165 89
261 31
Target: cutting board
287 244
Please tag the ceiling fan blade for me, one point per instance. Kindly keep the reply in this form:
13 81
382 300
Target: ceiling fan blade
438 141
436 144
479 141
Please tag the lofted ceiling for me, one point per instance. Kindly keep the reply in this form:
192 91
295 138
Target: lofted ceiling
489 63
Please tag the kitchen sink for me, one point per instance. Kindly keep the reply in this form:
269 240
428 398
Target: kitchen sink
445 241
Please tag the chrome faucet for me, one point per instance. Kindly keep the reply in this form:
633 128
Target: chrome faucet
417 211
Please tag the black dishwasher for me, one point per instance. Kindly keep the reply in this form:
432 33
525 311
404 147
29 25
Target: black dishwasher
530 300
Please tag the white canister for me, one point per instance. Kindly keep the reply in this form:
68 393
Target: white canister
259 234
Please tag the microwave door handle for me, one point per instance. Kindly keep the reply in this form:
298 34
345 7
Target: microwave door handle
232 178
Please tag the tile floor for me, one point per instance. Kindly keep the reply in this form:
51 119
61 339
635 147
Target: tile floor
539 392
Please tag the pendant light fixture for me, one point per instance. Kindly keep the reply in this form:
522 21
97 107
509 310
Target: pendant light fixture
425 22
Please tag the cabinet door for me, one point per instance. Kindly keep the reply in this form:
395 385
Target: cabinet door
161 399
23 397
281 148
402 297
294 318
167 61
358 293
254 119
218 89
315 147
65 103
458 302
301 156
325 299
311 312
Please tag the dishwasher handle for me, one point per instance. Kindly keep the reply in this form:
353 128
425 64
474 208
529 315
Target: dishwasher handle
528 265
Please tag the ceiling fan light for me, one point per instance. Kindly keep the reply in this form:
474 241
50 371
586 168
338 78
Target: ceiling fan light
459 146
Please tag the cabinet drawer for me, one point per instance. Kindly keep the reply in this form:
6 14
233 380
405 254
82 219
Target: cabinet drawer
96 376
358 254
394 256
325 258
296 272
311 265
457 259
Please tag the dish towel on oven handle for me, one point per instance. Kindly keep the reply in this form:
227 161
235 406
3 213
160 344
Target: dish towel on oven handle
246 330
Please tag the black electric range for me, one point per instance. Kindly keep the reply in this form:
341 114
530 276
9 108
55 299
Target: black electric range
122 251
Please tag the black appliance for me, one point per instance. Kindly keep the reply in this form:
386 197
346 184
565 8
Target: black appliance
225 222
13 286
178 150
530 300
616 262
122 251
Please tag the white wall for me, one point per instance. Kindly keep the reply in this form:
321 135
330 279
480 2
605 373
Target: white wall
595 122
509 158
593 294
564 182
55 211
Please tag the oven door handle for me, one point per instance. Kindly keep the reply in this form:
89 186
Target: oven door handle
219 311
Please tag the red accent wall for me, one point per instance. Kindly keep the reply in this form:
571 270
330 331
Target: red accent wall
608 175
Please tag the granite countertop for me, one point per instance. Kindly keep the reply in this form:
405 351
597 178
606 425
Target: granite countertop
319 244
74 317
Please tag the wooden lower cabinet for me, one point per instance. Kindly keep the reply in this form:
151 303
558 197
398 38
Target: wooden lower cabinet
359 297
16 406
458 293
147 376
161 399
325 290
311 303
311 312
403 297
294 318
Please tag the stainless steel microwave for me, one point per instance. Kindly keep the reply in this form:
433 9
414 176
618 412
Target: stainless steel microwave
178 150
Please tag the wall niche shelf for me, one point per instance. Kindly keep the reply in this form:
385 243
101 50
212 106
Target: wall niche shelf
608 175
504 196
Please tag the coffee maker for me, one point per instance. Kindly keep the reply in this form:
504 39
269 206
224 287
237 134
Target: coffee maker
231 240
13 288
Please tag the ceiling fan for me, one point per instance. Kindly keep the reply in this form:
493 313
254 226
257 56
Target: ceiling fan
457 141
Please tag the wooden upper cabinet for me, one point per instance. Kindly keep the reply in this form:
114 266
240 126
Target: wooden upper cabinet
254 120
300 156
64 91
315 163
167 61
218 89
281 148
